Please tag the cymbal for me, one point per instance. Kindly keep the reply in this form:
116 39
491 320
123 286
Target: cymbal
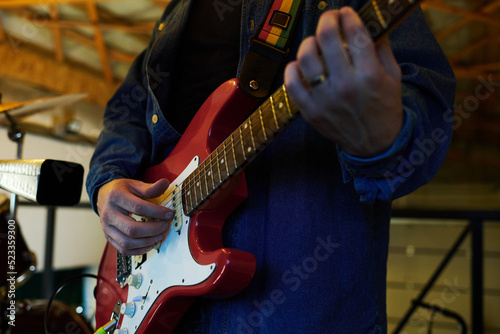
22 109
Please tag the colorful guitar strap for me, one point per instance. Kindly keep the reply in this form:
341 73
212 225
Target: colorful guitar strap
269 48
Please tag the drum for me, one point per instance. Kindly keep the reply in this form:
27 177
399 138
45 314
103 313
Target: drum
17 263
29 318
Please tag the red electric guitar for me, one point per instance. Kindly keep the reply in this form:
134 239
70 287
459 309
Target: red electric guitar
151 292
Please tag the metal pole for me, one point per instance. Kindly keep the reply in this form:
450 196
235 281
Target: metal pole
48 273
477 277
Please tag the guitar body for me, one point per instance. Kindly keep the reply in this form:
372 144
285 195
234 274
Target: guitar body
191 261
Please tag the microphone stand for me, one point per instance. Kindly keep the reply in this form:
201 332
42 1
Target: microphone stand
16 135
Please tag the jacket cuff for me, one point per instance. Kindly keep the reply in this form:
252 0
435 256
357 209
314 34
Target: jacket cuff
369 174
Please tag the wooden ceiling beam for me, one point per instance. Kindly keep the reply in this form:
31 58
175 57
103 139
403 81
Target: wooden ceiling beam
28 65
488 40
472 72
481 68
142 28
100 43
486 10
462 12
84 40
161 3
25 3
56 34
33 17
2 32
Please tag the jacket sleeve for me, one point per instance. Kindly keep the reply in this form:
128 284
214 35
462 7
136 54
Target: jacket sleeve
421 146
124 143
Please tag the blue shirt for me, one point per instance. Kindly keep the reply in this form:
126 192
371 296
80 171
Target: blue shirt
317 218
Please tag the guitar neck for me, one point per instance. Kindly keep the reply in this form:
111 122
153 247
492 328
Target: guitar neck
258 130
381 16
272 117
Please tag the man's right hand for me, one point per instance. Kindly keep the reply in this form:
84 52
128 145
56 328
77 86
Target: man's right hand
119 198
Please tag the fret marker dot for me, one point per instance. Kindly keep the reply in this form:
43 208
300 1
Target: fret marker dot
197 184
280 105
222 161
249 149
246 126
208 173
189 192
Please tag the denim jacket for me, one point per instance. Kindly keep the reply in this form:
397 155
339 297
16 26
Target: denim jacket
317 218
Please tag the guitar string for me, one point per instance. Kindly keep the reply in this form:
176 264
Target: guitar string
228 145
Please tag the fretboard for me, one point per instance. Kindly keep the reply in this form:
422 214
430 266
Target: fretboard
271 118
380 16
238 149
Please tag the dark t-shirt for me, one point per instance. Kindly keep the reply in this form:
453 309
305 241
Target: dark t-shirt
208 56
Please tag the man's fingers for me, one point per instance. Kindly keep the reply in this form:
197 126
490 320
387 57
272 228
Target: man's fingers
359 41
148 190
330 42
129 226
129 196
128 246
129 203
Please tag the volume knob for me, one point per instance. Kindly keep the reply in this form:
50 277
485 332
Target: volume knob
135 280
128 309
121 331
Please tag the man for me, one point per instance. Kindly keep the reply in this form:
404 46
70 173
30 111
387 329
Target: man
317 215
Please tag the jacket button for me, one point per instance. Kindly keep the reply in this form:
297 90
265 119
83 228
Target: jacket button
155 119
161 26
322 5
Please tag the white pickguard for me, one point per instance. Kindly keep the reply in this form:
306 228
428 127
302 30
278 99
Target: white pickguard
173 265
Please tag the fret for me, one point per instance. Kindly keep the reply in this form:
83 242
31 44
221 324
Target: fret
235 161
258 130
193 187
273 112
248 146
262 124
209 172
275 118
207 190
189 199
201 181
287 101
218 165
378 14
282 114
223 162
239 150
251 134
242 145
213 171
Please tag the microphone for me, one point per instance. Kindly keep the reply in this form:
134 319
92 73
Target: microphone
45 181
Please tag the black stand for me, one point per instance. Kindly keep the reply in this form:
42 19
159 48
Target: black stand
475 228
16 134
